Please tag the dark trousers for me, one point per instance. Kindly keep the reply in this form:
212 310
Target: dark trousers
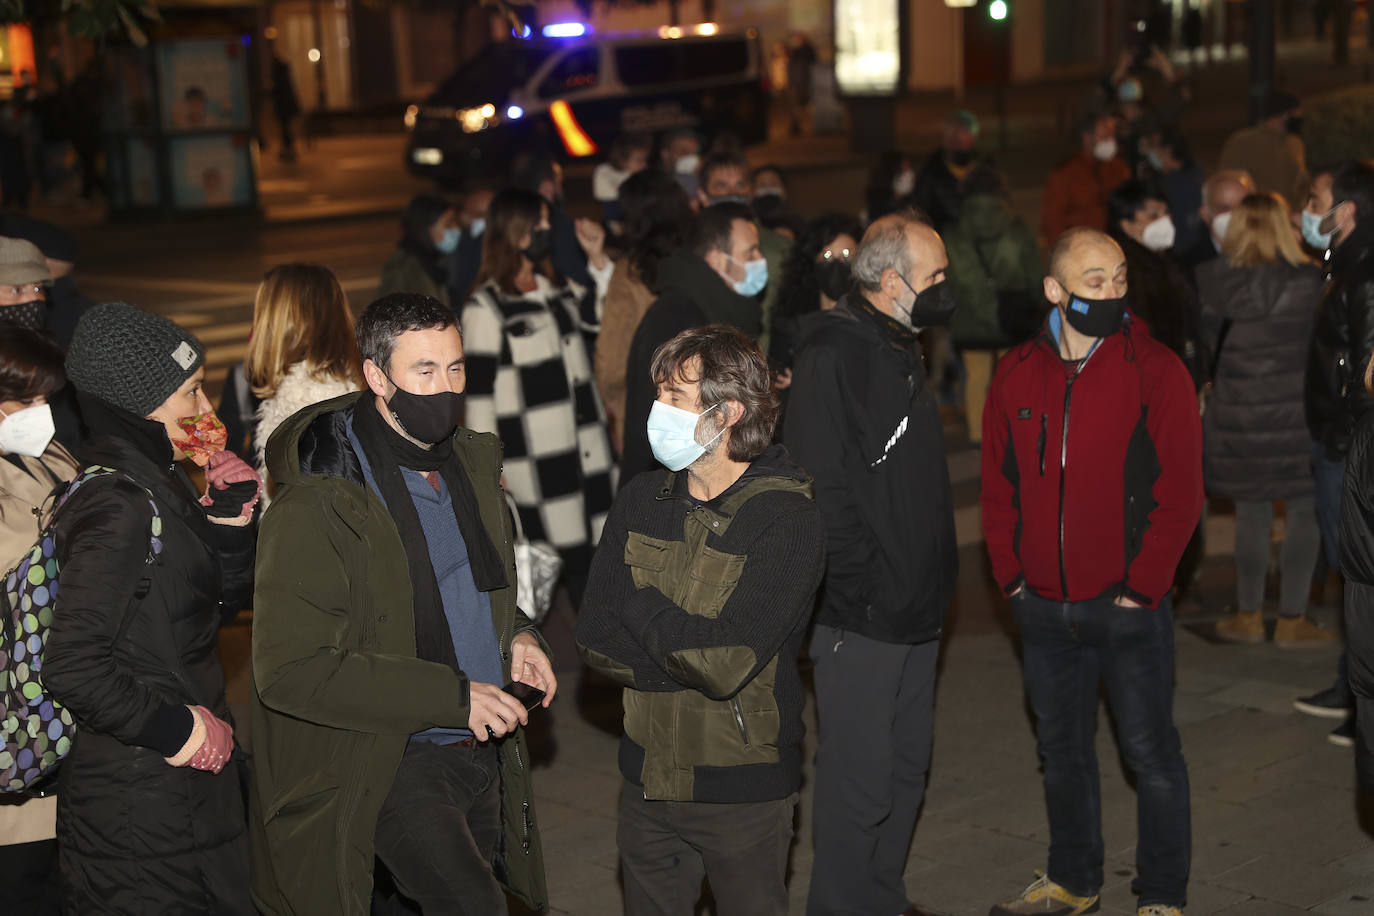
876 708
1068 649
1328 480
667 847
439 826
30 871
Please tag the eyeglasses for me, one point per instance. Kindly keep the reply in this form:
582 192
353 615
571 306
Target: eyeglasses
831 253
34 288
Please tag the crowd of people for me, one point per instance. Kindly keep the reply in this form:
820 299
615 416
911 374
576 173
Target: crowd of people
729 422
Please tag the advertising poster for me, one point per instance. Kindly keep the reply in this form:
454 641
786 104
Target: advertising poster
204 84
212 171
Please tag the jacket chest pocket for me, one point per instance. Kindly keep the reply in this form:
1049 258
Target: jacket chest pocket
533 338
699 582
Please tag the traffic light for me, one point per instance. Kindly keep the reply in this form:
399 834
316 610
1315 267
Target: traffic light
998 10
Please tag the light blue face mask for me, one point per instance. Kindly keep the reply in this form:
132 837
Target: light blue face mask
477 227
755 277
1312 232
448 242
673 435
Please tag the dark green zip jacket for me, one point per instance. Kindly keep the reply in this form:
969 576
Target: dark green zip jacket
700 609
337 689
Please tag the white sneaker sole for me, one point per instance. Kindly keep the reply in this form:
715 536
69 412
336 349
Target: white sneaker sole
1322 712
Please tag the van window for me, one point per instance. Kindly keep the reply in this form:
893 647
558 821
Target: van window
681 61
580 69
489 76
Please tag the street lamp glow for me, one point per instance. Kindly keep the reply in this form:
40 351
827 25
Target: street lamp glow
314 55
997 10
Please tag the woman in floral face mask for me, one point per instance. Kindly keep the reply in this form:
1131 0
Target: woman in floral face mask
150 568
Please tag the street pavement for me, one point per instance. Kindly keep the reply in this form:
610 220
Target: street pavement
1276 829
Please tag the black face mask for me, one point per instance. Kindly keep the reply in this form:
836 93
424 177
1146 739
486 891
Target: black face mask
1095 317
766 202
961 157
30 315
934 306
540 246
427 418
833 277
1293 124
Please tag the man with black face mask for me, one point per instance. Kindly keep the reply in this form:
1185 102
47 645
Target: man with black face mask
864 423
1092 485
386 626
944 180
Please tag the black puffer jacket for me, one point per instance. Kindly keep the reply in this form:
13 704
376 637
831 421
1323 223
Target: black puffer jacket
1357 565
137 835
864 424
1333 394
1255 443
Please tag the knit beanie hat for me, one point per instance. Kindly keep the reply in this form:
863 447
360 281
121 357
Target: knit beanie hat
131 358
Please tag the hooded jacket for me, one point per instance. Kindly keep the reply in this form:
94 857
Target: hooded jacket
137 835
699 609
1334 396
1092 470
863 422
1255 444
337 687
691 294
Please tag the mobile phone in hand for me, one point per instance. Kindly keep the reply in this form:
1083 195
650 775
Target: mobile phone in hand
529 697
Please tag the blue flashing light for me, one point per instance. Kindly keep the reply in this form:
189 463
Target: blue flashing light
515 113
566 30
522 32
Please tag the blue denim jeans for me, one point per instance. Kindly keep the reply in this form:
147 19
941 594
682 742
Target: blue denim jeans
1068 650
1328 477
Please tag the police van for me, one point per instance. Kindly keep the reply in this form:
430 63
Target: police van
569 93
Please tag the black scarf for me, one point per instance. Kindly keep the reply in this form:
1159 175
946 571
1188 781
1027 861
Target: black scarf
387 451
900 334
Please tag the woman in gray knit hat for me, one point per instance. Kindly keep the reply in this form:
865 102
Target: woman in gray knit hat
150 815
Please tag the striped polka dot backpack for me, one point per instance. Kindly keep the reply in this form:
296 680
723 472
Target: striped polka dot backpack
36 730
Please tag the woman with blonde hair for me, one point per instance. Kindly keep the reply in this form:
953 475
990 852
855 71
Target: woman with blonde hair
302 349
529 378
1258 304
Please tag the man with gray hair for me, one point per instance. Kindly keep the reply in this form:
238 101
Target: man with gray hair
864 423
1222 192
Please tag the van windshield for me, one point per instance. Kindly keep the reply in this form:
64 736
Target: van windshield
493 73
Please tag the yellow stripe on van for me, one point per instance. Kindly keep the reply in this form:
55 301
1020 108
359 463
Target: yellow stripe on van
575 139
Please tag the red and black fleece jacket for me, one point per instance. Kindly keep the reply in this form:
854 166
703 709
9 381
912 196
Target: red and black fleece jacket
1091 470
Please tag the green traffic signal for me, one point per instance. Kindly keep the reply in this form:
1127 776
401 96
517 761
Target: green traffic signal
997 10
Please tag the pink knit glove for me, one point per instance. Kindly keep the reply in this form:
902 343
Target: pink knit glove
224 470
218 746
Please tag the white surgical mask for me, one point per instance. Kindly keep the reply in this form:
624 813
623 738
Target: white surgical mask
673 435
904 183
1220 224
687 165
27 431
1104 150
1160 234
477 227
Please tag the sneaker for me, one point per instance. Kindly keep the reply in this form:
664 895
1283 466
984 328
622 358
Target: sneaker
1325 704
1242 626
1045 898
1343 735
1301 633
1158 909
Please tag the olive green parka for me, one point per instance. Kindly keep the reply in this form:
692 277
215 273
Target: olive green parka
337 687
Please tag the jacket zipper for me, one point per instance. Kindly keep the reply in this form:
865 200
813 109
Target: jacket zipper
1040 444
739 719
1063 470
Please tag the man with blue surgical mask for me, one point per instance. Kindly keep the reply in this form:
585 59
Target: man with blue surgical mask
863 421
1338 222
714 281
697 604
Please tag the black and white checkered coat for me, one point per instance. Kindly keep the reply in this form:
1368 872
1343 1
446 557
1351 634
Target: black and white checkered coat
529 380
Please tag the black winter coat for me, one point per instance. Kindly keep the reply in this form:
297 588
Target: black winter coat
1160 295
1342 342
1255 443
137 835
863 422
1357 565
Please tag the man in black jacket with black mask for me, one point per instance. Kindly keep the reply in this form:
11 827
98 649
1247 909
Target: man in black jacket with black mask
1340 215
715 281
863 423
